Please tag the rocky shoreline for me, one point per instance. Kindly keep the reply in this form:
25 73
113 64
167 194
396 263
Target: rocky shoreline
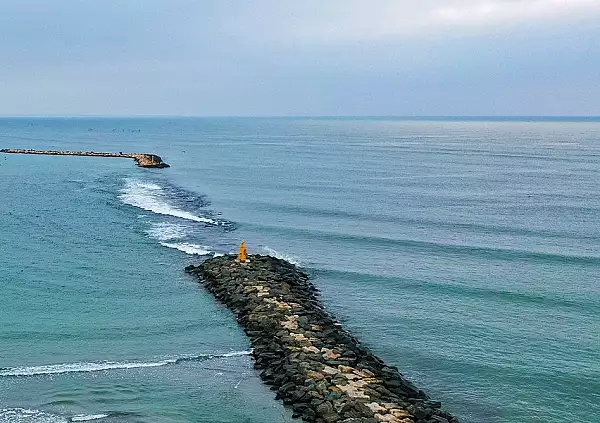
317 368
142 160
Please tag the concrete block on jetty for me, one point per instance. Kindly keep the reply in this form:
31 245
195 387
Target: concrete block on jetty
142 160
316 367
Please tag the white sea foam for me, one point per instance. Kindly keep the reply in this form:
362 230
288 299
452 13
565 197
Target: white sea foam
151 197
271 252
18 415
88 417
188 248
165 231
86 367
79 368
233 354
22 415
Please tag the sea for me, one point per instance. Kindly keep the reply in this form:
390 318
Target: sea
464 251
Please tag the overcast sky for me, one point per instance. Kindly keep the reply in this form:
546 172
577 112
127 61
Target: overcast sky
302 57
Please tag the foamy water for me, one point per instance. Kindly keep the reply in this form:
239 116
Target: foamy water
87 417
180 235
86 367
268 251
192 249
23 415
150 196
165 231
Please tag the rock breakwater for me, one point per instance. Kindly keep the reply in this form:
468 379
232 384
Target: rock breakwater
142 160
317 368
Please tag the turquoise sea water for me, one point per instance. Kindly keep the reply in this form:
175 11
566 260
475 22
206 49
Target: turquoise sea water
465 252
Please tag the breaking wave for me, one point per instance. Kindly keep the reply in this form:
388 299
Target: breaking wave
86 367
154 198
165 231
188 248
88 417
23 415
271 252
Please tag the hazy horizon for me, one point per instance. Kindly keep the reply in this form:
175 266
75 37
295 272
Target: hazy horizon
400 117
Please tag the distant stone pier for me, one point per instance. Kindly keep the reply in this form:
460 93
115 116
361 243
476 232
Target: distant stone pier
317 368
142 160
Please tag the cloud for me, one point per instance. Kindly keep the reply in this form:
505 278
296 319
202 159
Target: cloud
306 57
486 12
358 20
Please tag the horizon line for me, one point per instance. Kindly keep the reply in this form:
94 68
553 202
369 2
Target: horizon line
168 116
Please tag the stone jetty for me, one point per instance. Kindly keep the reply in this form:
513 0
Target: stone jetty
316 367
142 160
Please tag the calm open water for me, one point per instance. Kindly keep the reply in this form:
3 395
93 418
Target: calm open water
466 252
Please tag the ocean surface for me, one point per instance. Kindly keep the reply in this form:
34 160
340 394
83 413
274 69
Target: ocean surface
464 251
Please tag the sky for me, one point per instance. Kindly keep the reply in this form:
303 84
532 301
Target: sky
300 58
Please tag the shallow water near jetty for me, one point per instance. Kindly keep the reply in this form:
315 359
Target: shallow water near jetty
467 253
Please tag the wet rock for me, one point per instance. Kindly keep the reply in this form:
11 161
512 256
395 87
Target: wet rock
309 414
334 395
433 404
315 375
324 408
331 418
418 412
